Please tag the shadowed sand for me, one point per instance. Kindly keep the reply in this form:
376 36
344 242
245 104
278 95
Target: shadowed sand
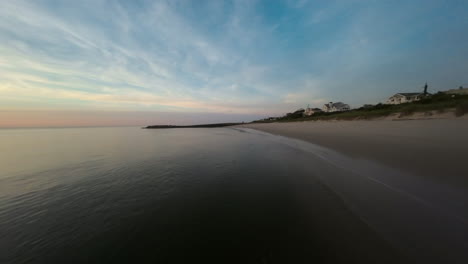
430 148
407 180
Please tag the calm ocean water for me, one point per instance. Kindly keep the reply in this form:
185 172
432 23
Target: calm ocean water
130 195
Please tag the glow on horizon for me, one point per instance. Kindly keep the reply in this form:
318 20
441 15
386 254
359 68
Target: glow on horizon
205 60
80 118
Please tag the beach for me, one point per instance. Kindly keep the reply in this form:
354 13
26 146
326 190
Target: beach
406 180
434 149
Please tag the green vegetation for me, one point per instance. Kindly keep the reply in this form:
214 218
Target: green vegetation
439 102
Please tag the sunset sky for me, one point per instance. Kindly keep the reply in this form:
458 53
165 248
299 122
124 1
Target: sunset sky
97 62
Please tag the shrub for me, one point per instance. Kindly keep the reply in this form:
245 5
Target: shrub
426 101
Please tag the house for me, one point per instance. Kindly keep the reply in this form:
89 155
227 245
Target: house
310 111
401 98
335 107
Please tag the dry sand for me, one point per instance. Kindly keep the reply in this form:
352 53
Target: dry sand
437 149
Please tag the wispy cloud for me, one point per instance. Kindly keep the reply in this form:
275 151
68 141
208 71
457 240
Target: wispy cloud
174 65
216 56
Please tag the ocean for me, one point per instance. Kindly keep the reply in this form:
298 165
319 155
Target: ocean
132 195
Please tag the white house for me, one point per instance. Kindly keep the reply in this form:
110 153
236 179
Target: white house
335 107
401 98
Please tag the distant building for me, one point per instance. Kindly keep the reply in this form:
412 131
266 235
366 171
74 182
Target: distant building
401 98
310 111
335 107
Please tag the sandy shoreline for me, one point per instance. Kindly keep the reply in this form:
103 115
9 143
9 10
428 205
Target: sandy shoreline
436 149
407 180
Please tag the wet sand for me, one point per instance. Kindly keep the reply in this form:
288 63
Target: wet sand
435 149
406 180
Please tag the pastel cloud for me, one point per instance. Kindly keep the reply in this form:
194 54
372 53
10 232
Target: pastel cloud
251 58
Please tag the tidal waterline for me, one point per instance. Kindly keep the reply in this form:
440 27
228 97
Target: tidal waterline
121 195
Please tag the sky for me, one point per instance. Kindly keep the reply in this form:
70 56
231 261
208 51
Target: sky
110 62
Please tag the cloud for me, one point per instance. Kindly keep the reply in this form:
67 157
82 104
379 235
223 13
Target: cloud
180 68
223 56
